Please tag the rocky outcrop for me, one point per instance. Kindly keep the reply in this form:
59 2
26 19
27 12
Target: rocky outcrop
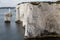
40 18
7 17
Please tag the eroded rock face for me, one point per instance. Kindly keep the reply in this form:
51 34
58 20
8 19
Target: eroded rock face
7 16
38 18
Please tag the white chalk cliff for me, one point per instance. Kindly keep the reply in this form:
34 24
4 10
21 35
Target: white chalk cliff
40 16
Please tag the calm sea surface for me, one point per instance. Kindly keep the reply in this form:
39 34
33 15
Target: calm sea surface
10 31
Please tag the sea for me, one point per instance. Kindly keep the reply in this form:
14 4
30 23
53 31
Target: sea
10 31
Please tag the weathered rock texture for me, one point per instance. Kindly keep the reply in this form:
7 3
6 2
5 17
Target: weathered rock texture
7 17
17 13
38 17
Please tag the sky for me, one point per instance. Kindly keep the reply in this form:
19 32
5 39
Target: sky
13 3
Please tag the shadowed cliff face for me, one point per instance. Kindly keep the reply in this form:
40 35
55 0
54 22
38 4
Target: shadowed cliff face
51 17
52 24
46 17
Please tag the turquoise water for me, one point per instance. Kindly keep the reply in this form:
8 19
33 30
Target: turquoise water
10 31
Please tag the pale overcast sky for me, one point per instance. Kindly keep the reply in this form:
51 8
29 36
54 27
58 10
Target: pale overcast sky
12 3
